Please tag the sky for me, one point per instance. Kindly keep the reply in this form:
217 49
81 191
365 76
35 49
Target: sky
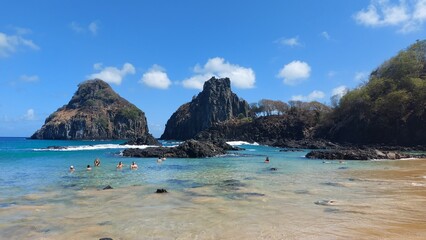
157 54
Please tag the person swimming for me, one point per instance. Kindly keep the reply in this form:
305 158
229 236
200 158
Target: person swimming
120 165
133 166
97 162
72 168
267 160
159 160
88 168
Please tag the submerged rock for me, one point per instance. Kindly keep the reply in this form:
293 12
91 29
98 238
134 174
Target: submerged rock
162 190
107 187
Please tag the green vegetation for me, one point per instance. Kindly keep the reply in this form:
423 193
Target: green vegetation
130 113
390 108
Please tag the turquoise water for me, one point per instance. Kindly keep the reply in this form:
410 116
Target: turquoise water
213 198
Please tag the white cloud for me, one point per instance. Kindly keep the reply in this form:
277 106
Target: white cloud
295 72
29 115
326 35
112 74
331 74
313 96
76 27
156 77
406 15
292 42
361 76
26 78
11 43
240 77
339 91
93 27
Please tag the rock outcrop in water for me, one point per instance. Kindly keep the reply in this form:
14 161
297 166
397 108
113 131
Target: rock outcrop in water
216 103
359 154
188 149
96 112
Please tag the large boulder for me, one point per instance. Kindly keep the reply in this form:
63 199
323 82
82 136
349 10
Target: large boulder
96 112
216 103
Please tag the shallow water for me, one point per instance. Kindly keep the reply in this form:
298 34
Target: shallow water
236 196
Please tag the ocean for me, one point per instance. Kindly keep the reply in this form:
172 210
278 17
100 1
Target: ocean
234 196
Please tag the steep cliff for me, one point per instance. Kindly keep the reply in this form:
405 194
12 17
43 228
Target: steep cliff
216 103
96 112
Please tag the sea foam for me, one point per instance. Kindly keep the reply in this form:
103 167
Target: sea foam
237 143
93 147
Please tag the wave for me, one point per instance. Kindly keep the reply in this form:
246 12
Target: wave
91 147
238 143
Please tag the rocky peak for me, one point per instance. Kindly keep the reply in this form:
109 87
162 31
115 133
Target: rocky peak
216 103
95 112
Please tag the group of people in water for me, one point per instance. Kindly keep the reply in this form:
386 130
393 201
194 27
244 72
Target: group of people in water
120 164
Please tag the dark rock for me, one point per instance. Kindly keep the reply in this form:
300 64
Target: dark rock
215 103
188 149
357 154
144 140
162 190
292 131
56 147
95 112
107 187
273 169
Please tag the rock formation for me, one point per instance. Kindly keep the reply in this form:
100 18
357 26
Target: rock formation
95 112
359 154
294 129
188 149
216 103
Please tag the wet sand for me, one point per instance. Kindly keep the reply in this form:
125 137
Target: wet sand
397 197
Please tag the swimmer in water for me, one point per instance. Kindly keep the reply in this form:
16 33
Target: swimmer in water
267 160
88 168
120 165
97 162
72 168
133 166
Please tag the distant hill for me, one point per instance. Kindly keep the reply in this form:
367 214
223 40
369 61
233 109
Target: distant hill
216 103
96 112
388 109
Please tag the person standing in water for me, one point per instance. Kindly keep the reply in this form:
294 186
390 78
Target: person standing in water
133 166
88 168
97 162
267 160
120 165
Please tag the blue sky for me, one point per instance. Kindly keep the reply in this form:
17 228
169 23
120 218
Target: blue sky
157 54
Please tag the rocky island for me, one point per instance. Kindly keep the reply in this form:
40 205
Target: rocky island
96 112
216 103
